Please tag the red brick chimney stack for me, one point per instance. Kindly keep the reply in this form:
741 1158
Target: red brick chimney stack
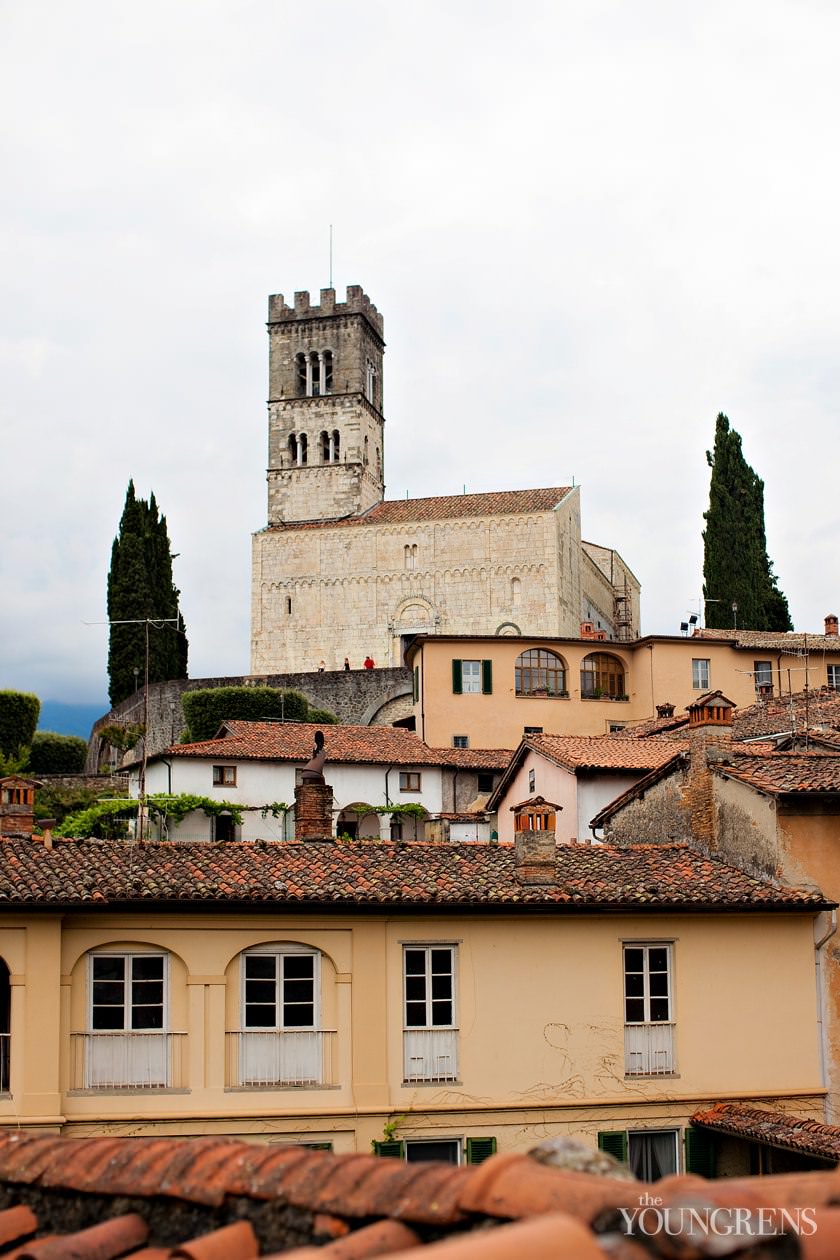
831 626
709 741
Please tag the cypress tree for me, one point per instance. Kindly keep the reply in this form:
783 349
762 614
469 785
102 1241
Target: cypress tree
736 568
140 586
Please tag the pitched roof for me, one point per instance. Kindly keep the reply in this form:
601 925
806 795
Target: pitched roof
105 873
778 773
818 709
773 640
293 741
601 752
219 1196
773 1128
445 507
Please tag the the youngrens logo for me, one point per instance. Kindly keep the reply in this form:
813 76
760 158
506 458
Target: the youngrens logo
702 1221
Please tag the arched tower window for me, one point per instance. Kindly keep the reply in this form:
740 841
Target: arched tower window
411 555
365 455
293 447
301 448
370 381
378 464
336 446
601 675
515 591
314 372
540 673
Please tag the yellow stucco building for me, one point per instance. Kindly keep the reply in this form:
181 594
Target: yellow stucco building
446 999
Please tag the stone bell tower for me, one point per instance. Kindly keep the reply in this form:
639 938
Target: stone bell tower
325 421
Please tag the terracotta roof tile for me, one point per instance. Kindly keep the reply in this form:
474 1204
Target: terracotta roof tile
105 873
232 1242
16 1223
778 773
293 741
818 709
448 507
513 1185
602 752
776 640
774 1128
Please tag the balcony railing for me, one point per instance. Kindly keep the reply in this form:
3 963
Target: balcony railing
5 1061
430 1054
128 1060
280 1060
649 1049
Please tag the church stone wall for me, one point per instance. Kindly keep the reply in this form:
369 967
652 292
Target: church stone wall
351 593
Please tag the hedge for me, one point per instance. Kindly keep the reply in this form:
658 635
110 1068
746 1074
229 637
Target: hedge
52 753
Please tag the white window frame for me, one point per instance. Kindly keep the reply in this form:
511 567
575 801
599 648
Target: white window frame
701 673
430 1050
648 1042
833 677
471 678
280 952
128 983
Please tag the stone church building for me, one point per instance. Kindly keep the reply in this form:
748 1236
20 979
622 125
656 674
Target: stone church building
341 571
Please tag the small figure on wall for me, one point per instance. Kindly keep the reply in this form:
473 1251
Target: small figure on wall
369 663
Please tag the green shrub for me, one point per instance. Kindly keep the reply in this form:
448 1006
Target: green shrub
323 717
206 710
19 711
52 753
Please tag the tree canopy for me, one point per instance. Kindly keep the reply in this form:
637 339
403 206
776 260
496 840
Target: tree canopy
140 587
736 568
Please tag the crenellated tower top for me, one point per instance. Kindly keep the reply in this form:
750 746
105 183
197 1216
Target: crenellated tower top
357 303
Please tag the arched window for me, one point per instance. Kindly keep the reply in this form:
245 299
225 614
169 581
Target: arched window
515 591
302 448
325 447
293 447
365 456
302 375
540 673
601 675
281 1041
378 464
128 1042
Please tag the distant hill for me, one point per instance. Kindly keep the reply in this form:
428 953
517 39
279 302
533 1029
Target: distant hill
70 719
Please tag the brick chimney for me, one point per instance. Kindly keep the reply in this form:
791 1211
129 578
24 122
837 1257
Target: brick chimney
17 806
534 841
831 626
709 741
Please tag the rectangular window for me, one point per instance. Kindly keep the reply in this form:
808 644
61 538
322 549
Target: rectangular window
834 677
281 1042
532 780
472 678
648 1023
279 991
429 1032
127 1045
409 781
127 992
763 676
486 780
460 741
532 730
652 1153
700 675
224 776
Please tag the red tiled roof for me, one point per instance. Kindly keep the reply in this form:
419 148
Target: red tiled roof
772 1128
662 728
102 873
602 752
237 1200
445 508
293 741
779 772
819 709
773 640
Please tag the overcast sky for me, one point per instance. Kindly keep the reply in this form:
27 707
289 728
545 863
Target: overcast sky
590 226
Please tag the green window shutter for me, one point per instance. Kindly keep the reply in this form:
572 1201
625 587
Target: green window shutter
479 1149
416 683
318 1146
699 1152
389 1150
487 678
457 679
614 1142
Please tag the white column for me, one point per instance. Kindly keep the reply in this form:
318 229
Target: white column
322 361
309 376
332 448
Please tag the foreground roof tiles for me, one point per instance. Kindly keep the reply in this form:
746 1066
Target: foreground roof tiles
353 874
446 507
293 741
815 710
222 1199
795 642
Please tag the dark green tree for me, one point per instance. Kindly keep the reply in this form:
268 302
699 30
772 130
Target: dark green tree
140 586
736 568
19 712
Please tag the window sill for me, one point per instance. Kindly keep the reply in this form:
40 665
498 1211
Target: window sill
545 695
610 699
120 1091
273 1088
652 1076
436 1084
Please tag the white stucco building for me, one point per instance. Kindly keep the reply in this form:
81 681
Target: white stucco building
387 784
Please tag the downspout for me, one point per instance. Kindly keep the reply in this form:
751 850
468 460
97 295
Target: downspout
818 968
